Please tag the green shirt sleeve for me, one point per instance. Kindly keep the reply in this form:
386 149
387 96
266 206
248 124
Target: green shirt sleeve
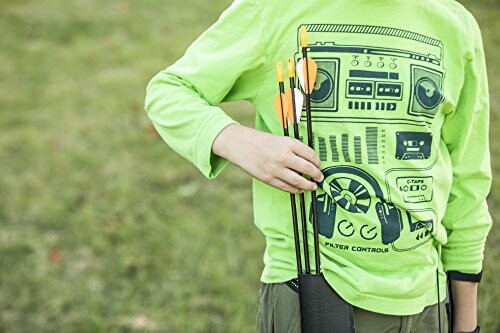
182 100
465 132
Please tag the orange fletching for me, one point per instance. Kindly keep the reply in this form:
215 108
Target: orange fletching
311 68
281 106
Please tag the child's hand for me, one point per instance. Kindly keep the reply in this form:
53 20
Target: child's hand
273 159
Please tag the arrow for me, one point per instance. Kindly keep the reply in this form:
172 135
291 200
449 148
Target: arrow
296 101
310 70
282 107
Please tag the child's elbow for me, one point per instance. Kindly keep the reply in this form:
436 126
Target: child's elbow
152 93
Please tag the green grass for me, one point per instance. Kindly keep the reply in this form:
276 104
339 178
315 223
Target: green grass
102 227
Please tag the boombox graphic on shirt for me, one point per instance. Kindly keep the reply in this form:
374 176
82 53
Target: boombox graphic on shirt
377 93
362 74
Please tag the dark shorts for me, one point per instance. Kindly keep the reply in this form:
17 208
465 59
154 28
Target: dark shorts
279 312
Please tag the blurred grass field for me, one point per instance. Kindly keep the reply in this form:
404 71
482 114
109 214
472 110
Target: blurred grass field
102 227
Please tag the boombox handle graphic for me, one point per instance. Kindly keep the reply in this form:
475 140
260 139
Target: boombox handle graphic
388 214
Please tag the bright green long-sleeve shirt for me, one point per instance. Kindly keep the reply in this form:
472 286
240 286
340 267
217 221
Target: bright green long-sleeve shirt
400 121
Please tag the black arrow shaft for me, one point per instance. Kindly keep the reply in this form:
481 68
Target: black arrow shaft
303 215
310 142
292 196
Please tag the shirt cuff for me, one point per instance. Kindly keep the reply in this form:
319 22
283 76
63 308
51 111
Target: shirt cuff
207 162
459 276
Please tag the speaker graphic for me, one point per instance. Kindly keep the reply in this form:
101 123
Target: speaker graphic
345 188
324 94
350 194
426 93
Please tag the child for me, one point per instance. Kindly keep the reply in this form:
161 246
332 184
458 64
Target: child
400 121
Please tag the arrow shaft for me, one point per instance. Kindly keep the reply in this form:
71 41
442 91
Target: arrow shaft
302 203
314 206
293 203
295 117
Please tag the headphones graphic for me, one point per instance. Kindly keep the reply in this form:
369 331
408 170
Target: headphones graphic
352 196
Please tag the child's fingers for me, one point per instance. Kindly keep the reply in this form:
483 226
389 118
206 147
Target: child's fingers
284 186
295 180
307 153
305 167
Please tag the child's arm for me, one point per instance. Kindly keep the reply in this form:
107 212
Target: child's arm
226 63
467 220
272 159
464 306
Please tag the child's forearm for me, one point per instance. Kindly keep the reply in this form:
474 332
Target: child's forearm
465 306
273 159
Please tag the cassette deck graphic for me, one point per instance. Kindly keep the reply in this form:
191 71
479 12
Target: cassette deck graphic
416 189
413 145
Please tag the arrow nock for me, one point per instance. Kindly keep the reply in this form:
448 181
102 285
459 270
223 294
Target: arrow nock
303 36
279 72
291 68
